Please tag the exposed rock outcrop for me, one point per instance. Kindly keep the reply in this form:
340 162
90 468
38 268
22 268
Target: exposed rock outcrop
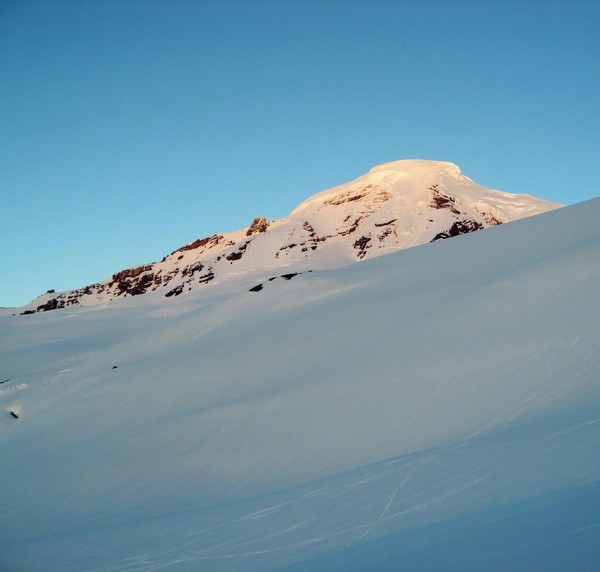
259 224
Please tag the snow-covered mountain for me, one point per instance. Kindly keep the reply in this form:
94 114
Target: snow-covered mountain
394 206
436 408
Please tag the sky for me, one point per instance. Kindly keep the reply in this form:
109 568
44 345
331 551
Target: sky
129 129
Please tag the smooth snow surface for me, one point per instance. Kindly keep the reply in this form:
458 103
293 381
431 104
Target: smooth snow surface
436 408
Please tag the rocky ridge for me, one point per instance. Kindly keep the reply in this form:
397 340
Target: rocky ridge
394 206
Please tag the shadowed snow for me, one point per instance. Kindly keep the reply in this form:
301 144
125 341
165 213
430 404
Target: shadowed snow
435 408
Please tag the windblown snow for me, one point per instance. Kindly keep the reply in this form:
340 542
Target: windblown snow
437 408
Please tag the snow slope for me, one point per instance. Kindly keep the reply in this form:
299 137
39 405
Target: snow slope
437 408
394 206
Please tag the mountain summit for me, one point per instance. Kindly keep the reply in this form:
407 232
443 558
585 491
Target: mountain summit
394 206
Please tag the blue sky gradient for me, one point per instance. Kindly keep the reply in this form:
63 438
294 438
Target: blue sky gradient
132 128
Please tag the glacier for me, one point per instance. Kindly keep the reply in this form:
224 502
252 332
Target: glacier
394 206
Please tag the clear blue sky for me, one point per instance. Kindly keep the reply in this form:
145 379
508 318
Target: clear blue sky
131 128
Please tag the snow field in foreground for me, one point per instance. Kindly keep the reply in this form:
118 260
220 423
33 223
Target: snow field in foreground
360 417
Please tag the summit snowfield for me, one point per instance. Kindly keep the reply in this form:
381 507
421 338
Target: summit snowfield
436 408
394 206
